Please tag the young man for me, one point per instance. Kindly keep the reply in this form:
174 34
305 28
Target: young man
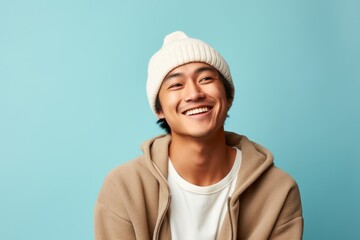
198 181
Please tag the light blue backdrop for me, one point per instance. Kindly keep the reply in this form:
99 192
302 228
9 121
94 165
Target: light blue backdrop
73 103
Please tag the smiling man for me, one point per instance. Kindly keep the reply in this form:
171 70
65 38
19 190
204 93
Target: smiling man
197 181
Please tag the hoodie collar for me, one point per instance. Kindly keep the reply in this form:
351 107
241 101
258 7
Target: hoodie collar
255 158
156 153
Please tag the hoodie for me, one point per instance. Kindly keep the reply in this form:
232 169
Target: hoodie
134 200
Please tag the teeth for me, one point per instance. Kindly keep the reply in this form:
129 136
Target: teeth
196 111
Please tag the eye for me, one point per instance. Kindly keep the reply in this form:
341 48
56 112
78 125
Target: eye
175 86
206 79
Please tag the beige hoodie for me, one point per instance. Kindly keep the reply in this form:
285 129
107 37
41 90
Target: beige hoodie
134 200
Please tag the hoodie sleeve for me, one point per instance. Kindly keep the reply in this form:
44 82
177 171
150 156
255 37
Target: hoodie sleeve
111 221
110 226
290 222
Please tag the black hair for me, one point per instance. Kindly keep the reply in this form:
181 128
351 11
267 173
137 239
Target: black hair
229 90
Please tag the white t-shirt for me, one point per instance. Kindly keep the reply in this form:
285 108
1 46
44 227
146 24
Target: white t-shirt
197 212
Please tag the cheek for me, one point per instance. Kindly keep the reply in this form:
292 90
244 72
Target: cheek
218 92
169 98
167 102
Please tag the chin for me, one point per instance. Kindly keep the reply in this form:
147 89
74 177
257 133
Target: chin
205 133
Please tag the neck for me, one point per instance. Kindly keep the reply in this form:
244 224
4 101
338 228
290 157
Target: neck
201 161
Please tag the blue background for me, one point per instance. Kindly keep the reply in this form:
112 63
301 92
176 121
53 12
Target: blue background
73 104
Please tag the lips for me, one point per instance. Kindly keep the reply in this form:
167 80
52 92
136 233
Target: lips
195 111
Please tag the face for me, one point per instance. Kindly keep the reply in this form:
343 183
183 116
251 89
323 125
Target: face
193 101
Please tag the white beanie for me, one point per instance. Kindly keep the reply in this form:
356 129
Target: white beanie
178 49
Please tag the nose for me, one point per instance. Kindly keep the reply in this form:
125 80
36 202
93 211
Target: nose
193 92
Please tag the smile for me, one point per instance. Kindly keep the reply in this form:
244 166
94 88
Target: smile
197 111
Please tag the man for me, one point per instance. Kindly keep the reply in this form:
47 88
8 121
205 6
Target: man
197 181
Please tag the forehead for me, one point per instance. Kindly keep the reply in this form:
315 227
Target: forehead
191 68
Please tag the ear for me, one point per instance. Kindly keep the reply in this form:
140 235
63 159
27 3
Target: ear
160 114
229 103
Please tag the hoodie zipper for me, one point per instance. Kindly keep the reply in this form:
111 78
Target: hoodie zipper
157 228
231 222
157 232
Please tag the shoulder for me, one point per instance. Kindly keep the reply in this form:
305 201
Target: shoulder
285 193
277 190
276 182
135 166
127 183
128 175
280 177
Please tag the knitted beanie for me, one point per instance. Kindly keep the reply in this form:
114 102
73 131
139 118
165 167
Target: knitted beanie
178 49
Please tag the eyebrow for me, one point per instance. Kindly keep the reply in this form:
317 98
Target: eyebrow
197 71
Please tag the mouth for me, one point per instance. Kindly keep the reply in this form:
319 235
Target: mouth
196 111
